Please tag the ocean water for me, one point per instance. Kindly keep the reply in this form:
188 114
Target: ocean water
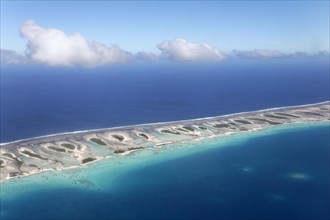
41 100
247 176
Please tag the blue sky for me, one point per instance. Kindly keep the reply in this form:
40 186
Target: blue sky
137 26
286 26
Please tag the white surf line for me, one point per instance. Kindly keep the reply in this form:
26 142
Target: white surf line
164 122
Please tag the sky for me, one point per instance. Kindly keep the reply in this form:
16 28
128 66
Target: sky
206 30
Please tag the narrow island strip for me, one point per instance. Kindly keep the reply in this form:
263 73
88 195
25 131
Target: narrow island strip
68 150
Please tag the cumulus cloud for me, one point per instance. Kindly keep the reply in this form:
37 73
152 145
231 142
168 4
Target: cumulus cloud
319 54
252 54
179 49
56 48
145 56
11 57
322 53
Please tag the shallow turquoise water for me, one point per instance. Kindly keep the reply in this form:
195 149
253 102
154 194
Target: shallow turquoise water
240 177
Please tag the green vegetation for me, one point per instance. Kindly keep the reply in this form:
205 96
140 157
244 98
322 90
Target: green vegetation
242 121
286 114
98 141
9 155
1 163
33 165
119 151
266 121
56 149
118 137
312 113
275 116
69 146
87 160
170 132
135 148
221 126
180 129
58 161
144 135
189 128
33 155
19 163
13 174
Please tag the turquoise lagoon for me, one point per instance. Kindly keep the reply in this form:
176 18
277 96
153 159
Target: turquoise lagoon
277 173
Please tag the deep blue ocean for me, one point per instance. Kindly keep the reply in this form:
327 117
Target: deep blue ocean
247 179
44 100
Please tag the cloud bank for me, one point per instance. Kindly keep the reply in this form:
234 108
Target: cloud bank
11 57
253 54
145 56
54 47
181 50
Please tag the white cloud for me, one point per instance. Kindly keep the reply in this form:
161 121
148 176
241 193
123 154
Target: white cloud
322 53
54 47
181 50
258 54
145 56
11 57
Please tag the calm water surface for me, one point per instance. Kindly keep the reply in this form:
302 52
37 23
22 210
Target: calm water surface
45 100
247 179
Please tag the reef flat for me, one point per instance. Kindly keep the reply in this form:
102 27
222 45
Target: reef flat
75 149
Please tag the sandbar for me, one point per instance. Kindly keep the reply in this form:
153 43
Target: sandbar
73 150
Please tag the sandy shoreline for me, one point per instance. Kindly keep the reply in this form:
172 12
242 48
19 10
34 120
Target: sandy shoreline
165 122
75 149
